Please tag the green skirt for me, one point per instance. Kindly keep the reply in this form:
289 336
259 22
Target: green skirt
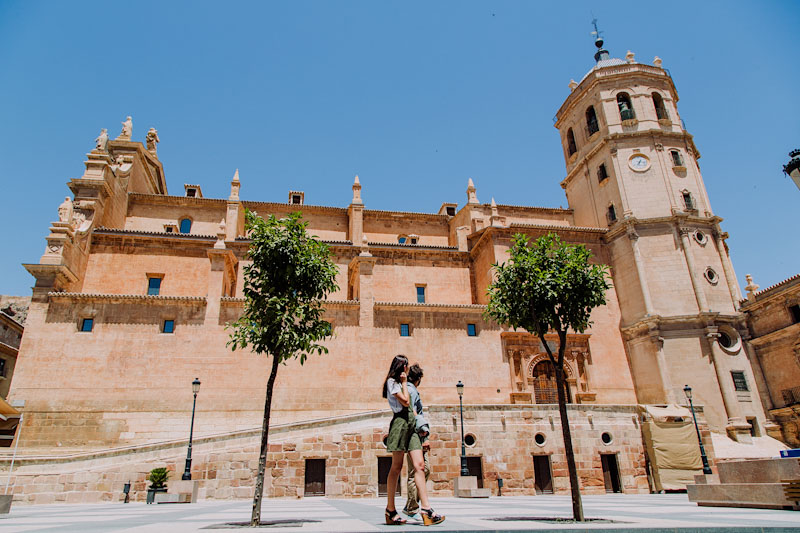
403 435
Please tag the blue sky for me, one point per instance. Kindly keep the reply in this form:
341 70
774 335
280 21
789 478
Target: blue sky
415 97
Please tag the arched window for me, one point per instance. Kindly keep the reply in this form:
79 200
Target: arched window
592 126
677 158
658 103
611 214
625 107
544 382
571 146
186 225
688 200
602 173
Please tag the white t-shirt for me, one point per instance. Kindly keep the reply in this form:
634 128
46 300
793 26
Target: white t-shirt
393 387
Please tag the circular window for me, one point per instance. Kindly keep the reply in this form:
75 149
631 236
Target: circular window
469 440
540 439
711 276
729 340
700 237
606 437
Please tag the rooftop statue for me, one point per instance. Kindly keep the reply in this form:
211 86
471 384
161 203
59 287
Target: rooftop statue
152 140
127 128
65 210
101 143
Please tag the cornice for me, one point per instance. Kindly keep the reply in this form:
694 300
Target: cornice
554 227
83 296
380 214
791 332
536 209
11 322
235 301
7 349
431 306
410 247
158 234
253 205
178 201
660 323
621 227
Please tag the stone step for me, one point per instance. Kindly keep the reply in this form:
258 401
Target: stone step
163 497
706 479
760 495
473 493
770 470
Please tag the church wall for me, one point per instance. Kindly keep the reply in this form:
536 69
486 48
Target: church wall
718 294
148 217
381 227
396 281
642 355
626 280
111 272
667 274
645 192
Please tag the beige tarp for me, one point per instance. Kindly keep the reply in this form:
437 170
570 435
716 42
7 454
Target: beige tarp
664 412
674 453
9 417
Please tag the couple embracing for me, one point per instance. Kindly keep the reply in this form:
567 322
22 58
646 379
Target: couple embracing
408 434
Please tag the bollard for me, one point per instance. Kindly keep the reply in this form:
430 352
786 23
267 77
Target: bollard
126 490
499 486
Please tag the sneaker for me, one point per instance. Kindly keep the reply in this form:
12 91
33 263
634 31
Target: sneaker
414 515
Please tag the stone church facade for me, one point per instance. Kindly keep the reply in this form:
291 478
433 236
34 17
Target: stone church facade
136 287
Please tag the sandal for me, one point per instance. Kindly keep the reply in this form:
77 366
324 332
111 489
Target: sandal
430 518
394 519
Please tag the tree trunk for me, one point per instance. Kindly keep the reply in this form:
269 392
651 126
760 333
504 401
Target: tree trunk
255 518
577 505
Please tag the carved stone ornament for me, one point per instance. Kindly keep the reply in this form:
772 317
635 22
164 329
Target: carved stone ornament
101 142
53 248
65 210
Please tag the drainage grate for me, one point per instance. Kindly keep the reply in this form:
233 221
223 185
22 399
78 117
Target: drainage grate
553 520
264 523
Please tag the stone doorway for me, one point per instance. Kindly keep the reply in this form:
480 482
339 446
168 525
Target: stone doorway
611 472
384 465
542 474
475 467
315 477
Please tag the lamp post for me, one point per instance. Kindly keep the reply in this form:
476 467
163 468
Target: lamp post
464 469
792 168
687 390
187 472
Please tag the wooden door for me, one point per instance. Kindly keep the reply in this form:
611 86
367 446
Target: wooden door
384 465
475 467
610 472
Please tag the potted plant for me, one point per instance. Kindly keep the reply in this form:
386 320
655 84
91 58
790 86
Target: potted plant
158 483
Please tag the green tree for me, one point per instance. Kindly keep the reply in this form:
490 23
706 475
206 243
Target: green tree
550 286
291 274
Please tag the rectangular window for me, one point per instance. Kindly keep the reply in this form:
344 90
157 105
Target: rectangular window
2 367
611 214
602 173
471 331
404 330
451 211
794 310
168 326
153 286
420 294
87 324
677 160
739 381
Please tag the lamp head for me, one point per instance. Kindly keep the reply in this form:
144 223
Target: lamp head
460 388
196 385
687 390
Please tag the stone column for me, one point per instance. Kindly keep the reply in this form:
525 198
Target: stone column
355 215
222 262
663 370
637 260
727 269
234 216
737 427
362 266
699 294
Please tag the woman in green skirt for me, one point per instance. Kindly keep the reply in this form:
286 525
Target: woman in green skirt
403 438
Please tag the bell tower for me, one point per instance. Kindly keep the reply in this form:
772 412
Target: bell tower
633 168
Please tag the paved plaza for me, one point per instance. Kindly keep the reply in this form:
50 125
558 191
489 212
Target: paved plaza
655 512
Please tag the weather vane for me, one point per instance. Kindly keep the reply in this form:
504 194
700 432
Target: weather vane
597 33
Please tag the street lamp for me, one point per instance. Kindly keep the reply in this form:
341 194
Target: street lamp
792 168
464 469
187 472
687 390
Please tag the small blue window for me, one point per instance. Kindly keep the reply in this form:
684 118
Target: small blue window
471 331
169 326
186 225
421 295
87 324
153 286
404 331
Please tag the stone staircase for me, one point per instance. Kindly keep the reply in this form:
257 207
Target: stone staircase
757 483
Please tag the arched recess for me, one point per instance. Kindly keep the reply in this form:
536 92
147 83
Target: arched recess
541 372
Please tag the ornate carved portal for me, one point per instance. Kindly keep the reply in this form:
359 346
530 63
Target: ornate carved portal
532 374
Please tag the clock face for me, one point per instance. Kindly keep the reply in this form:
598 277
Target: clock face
639 163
